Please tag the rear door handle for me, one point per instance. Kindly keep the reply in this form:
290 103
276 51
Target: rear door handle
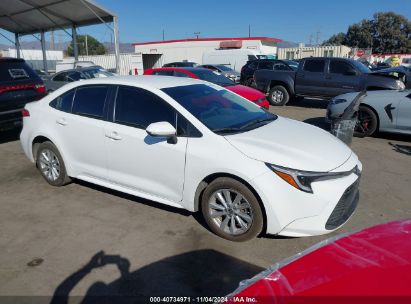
113 135
61 121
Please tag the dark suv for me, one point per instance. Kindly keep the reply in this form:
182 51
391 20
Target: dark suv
19 84
247 71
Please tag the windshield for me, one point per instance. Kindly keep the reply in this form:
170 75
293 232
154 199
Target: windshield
224 68
220 110
262 56
214 77
96 73
361 67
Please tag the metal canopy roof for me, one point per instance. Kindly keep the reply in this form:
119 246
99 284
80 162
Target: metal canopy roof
33 16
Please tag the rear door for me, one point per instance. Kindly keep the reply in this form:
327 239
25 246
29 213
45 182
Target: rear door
81 129
310 77
341 78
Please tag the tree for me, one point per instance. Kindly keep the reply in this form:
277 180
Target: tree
360 34
387 32
94 47
337 39
392 33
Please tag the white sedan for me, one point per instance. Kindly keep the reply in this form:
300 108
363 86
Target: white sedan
194 145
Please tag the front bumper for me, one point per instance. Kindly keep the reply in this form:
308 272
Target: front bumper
291 212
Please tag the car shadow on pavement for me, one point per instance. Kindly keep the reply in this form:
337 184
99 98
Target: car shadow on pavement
9 135
318 122
401 148
133 198
192 274
309 103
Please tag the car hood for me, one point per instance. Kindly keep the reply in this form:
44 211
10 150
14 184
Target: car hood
246 92
292 144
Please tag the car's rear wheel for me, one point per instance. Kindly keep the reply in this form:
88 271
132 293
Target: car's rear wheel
231 210
250 82
51 164
367 122
278 95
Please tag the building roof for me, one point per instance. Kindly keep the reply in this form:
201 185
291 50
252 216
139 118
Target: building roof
33 16
210 39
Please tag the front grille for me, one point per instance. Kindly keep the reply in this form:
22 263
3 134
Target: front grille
345 207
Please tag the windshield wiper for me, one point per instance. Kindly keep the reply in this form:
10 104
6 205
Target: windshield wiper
227 130
258 121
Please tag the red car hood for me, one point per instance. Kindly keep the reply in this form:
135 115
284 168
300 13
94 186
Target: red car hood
246 92
370 266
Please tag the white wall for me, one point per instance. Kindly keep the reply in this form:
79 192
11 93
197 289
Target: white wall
193 50
29 54
109 61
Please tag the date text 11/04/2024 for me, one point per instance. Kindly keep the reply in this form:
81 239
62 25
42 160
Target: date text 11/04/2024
202 300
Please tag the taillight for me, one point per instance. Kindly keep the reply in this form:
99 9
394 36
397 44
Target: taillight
25 113
40 88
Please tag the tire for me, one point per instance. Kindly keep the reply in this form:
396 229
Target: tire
242 218
51 165
278 96
250 82
367 123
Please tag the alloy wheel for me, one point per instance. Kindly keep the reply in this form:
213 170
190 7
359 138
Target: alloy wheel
49 165
230 211
277 96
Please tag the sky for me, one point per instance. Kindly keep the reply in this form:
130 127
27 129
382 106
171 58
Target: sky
295 20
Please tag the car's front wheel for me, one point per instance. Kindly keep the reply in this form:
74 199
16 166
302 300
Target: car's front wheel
231 210
367 122
51 164
278 95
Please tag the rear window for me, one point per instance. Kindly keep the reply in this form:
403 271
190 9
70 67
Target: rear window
15 71
316 66
89 101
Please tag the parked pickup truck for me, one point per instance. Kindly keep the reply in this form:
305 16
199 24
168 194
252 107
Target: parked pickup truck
321 78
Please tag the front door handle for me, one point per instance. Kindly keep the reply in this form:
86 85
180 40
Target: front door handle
113 135
61 121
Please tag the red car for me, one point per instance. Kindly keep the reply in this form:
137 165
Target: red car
205 74
369 266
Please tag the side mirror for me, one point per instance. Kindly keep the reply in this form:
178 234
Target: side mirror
162 129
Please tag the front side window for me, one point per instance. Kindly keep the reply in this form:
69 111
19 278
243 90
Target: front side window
60 77
315 65
279 66
340 67
63 102
218 109
89 101
139 108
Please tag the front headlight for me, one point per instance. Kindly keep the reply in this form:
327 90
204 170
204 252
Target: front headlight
302 179
400 84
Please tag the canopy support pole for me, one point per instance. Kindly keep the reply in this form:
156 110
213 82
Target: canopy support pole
17 44
75 44
43 49
116 44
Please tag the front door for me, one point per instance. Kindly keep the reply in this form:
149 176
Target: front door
341 78
404 112
136 160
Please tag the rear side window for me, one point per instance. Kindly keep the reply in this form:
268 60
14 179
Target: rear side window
340 67
265 65
63 102
253 65
15 71
316 66
89 101
60 77
138 108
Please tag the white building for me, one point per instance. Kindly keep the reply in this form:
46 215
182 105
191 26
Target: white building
29 54
158 53
314 51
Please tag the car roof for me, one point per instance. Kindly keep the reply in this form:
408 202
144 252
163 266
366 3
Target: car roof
79 69
153 81
11 59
